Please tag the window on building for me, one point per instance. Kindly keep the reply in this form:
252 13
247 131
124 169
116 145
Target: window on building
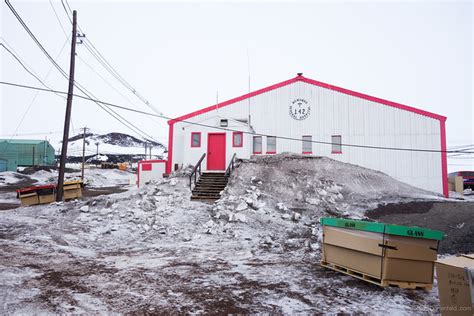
307 144
196 139
237 139
257 144
271 144
336 141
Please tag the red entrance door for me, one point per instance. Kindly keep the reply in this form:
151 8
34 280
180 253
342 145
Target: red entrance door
216 151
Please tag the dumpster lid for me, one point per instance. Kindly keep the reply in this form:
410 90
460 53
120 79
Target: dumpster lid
391 229
36 187
74 182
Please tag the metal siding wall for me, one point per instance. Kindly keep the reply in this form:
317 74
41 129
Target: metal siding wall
358 121
191 155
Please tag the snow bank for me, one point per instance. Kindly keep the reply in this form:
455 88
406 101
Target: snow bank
93 177
9 177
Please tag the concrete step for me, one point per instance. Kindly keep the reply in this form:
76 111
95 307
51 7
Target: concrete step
211 184
198 192
213 178
204 199
210 195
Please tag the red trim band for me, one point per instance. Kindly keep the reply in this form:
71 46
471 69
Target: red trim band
169 162
444 159
313 82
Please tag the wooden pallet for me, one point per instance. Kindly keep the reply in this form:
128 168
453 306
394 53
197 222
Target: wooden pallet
377 281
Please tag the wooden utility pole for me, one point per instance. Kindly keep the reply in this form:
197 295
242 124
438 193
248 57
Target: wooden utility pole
62 162
84 129
97 154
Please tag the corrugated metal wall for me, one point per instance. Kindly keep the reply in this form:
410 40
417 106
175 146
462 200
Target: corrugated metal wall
26 153
357 120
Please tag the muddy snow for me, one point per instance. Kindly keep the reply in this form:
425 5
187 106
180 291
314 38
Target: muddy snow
152 250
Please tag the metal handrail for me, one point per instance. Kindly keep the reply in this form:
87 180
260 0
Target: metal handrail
196 170
231 166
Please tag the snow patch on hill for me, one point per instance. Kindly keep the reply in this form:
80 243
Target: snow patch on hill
112 144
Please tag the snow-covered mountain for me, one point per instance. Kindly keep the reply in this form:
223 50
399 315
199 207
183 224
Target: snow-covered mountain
113 147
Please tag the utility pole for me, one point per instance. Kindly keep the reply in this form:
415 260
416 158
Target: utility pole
84 129
45 159
145 149
150 150
67 119
97 154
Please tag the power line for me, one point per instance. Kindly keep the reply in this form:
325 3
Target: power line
70 20
81 88
461 146
103 61
45 52
111 86
23 64
244 132
31 72
32 134
58 19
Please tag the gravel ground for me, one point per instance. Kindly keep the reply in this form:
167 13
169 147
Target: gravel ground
153 251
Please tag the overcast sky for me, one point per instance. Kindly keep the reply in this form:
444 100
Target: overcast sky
178 55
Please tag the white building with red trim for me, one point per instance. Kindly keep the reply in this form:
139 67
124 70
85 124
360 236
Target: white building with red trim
306 116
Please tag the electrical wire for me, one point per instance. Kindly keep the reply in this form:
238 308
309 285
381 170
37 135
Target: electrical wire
45 52
81 88
113 87
58 19
32 134
103 61
234 130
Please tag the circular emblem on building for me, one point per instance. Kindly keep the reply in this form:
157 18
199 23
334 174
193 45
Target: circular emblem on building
300 109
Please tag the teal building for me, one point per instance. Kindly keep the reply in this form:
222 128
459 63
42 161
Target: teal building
25 152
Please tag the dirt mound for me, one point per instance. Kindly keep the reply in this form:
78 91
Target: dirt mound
453 218
318 185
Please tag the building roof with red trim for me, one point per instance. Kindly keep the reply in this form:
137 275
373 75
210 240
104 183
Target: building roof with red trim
301 78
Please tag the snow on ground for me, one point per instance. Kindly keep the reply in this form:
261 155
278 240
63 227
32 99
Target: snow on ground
9 177
93 177
152 250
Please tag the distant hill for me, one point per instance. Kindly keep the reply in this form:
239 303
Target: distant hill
113 147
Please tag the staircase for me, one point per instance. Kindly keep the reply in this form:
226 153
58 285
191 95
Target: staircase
209 185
